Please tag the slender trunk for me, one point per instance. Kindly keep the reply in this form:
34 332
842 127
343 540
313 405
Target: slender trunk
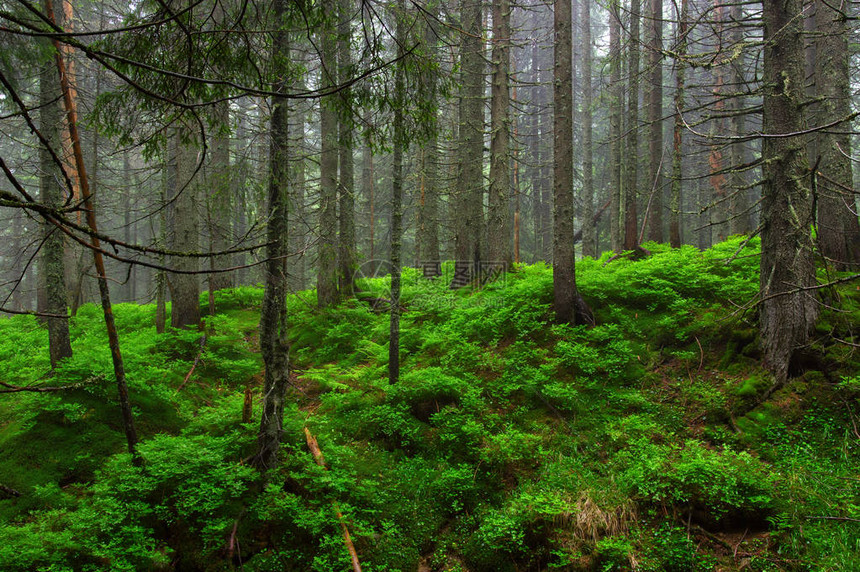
631 186
83 185
655 118
274 345
397 203
677 146
220 199
51 261
498 219
615 110
838 229
346 236
563 268
589 235
327 293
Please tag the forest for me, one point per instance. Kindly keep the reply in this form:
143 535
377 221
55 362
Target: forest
429 285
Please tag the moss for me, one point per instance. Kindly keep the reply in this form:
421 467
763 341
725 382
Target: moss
751 386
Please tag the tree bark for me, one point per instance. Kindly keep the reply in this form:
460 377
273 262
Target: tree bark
51 259
346 237
786 314
678 130
615 111
274 345
184 233
327 292
563 268
589 240
631 186
469 195
397 202
498 216
838 229
655 119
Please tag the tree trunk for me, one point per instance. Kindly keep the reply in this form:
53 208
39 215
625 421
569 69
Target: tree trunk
655 119
498 216
51 262
615 111
220 198
184 231
327 293
631 186
589 237
274 345
838 229
470 185
563 268
397 202
786 315
346 236
678 133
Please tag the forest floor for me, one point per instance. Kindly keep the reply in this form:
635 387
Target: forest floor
510 443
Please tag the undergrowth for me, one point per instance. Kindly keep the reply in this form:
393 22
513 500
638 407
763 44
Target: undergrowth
510 443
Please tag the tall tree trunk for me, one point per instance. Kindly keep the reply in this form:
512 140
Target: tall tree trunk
51 262
589 234
184 233
655 119
838 229
786 314
274 345
563 268
470 185
83 184
297 211
220 198
498 217
615 111
631 186
678 133
741 218
327 293
397 201
346 237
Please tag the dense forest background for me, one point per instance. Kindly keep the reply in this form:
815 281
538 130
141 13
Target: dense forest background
557 285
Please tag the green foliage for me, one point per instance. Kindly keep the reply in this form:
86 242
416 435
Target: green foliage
509 443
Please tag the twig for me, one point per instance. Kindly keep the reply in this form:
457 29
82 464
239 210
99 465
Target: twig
839 518
194 365
318 457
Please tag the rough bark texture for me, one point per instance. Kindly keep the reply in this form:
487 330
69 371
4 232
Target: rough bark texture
51 263
498 217
631 185
655 118
589 239
741 220
397 205
327 293
346 249
786 314
274 345
184 233
220 198
563 270
678 131
615 112
469 194
838 229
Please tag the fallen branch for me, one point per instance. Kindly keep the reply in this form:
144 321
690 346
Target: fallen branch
194 365
840 518
7 493
318 457
41 389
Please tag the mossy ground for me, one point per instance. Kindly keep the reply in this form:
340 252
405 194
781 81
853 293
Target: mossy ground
511 443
